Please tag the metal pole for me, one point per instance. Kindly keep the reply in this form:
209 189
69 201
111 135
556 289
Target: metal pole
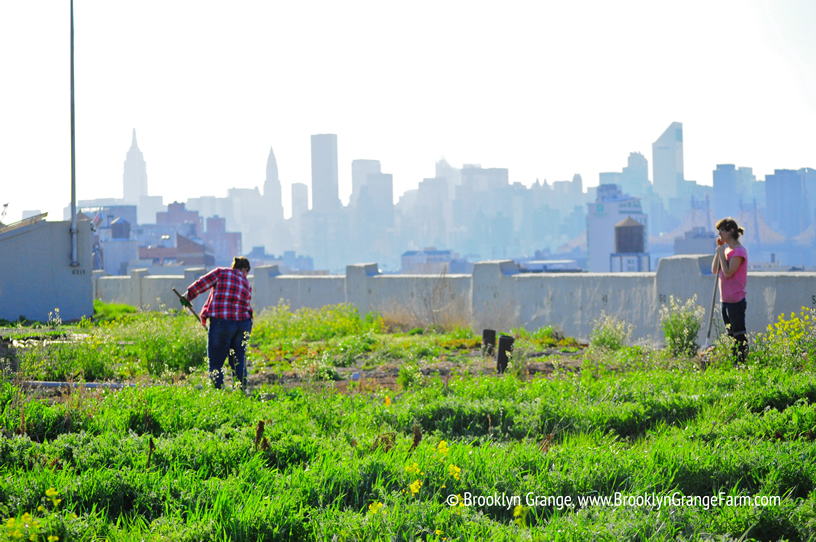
74 260
713 304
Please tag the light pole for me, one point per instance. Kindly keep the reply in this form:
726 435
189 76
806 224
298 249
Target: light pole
74 260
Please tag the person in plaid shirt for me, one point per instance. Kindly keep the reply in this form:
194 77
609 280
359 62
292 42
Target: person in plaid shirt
230 314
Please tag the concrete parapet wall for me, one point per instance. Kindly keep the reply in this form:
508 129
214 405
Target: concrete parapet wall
149 292
297 291
497 296
430 299
116 290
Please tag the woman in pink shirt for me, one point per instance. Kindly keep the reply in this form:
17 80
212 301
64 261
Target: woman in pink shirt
731 259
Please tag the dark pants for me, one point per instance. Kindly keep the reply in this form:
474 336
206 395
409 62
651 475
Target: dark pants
228 339
734 317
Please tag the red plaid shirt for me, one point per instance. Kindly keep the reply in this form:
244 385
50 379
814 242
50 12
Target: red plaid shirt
230 296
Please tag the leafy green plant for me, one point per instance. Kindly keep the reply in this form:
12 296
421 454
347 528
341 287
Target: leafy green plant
172 342
352 347
517 363
86 358
610 333
317 367
721 353
680 323
410 376
544 337
790 342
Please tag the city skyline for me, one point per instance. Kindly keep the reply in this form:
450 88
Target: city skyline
551 93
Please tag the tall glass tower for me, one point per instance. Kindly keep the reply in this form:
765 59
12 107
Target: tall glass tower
667 161
325 190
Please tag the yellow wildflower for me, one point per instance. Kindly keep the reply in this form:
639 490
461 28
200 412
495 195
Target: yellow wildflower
413 469
415 487
454 471
443 448
51 492
387 401
375 507
53 538
520 513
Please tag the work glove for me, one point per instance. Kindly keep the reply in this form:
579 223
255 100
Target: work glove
185 302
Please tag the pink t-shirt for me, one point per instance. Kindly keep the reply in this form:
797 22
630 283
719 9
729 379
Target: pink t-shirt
732 290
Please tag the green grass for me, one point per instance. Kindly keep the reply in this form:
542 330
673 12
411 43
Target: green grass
185 462
104 312
121 343
327 457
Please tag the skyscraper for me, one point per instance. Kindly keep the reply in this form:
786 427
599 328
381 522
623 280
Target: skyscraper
134 179
635 176
726 194
300 206
360 170
272 189
667 161
300 199
787 201
325 191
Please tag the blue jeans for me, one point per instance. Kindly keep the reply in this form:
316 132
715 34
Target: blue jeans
228 339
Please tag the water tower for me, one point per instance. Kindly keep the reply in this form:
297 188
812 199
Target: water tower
630 247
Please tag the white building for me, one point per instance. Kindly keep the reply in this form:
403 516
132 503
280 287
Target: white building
610 207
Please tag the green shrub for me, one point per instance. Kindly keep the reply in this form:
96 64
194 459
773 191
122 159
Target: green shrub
680 323
460 333
721 353
350 348
610 333
317 367
517 363
168 342
87 358
789 343
410 376
544 337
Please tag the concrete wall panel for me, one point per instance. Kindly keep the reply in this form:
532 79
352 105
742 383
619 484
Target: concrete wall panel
298 291
497 296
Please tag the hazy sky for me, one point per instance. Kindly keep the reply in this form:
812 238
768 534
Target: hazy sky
545 89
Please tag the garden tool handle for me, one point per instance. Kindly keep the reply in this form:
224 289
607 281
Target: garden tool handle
188 307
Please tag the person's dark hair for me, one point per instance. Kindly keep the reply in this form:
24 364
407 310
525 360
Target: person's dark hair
729 224
239 262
